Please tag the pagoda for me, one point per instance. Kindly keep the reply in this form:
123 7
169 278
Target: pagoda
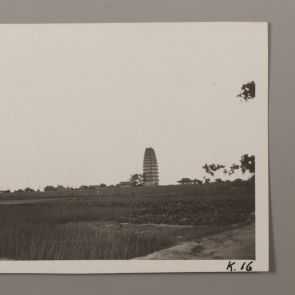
150 168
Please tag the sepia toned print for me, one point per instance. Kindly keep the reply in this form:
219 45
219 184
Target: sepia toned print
137 152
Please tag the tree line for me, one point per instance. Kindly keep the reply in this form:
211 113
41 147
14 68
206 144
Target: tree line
246 164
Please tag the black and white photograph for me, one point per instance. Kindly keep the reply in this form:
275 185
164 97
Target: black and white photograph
134 147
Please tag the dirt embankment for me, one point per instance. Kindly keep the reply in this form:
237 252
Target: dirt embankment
238 243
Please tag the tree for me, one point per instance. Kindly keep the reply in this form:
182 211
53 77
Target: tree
233 168
247 91
208 170
206 180
212 168
136 179
29 190
247 163
49 188
102 185
60 188
197 181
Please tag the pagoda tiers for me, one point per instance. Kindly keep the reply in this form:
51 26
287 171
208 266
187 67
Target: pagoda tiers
150 168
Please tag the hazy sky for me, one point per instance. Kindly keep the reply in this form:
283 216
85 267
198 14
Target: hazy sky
80 103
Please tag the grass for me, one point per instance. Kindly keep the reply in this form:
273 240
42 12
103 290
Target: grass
29 241
39 231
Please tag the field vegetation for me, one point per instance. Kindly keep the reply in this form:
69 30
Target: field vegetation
41 230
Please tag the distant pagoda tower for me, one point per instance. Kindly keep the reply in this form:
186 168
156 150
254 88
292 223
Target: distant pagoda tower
150 168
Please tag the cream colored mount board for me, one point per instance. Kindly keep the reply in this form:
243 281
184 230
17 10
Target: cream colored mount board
134 148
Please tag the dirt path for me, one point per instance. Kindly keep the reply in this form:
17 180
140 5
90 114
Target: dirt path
238 243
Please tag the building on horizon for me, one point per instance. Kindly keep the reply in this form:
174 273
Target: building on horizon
150 168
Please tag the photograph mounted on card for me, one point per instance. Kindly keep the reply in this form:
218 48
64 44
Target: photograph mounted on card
134 147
